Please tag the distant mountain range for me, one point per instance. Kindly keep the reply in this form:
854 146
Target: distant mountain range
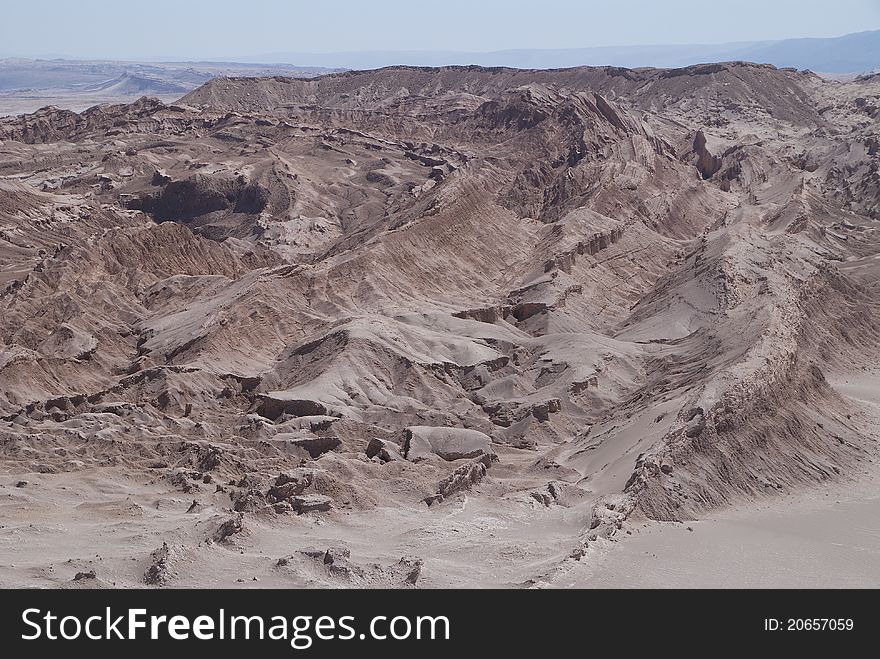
853 53
26 84
18 74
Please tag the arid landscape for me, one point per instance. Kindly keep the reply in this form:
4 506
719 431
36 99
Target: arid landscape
27 85
445 327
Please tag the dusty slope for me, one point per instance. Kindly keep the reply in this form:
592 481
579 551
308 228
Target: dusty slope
631 287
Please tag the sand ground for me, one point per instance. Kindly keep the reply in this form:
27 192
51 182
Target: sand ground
830 539
825 538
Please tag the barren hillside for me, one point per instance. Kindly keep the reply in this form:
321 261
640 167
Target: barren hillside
459 326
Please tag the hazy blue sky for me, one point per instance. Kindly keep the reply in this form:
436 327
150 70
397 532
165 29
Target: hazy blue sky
195 29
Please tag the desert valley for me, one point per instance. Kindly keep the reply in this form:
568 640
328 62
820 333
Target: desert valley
431 327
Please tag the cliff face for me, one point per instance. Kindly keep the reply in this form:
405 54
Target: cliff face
260 295
707 164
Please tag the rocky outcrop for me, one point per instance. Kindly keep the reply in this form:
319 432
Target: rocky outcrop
228 528
311 503
157 573
384 451
316 446
291 484
451 444
610 113
275 405
462 479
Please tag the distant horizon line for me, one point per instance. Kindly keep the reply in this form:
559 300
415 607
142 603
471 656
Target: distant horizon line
255 60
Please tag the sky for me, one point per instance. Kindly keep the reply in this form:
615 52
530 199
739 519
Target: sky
204 29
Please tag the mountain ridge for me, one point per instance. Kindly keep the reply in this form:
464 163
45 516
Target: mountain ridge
851 53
